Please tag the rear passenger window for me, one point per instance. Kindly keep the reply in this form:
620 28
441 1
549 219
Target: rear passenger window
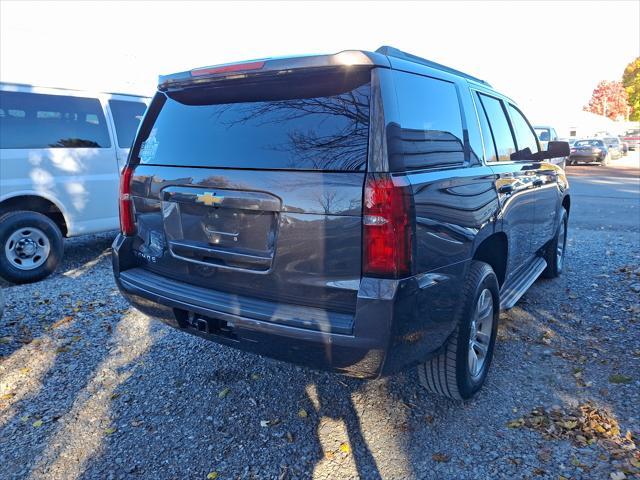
30 120
431 123
487 137
525 137
499 127
126 116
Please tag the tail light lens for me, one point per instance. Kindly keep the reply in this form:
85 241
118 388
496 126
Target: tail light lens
127 223
387 227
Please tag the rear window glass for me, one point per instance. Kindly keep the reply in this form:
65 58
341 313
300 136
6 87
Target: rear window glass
126 116
311 122
30 120
589 143
431 124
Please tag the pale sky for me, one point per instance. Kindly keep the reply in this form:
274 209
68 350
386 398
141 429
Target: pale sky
547 56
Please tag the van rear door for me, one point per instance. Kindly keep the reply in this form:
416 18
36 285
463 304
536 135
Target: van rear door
253 186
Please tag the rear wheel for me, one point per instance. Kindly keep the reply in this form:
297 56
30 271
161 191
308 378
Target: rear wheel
460 370
556 249
31 246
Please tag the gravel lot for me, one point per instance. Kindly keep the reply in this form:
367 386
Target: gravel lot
92 389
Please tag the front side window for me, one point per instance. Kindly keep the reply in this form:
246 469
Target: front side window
126 117
525 137
51 121
499 127
431 122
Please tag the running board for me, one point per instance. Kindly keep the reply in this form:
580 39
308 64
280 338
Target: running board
510 295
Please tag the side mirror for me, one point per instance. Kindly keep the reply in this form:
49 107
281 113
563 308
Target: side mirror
554 150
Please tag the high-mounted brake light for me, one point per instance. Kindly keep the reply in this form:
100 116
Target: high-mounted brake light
387 242
237 67
127 222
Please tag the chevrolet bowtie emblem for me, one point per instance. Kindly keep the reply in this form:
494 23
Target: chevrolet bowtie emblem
209 199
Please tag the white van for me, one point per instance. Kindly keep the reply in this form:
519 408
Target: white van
61 152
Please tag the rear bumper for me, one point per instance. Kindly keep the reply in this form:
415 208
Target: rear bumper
593 157
384 336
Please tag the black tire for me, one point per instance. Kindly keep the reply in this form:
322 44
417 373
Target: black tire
12 222
448 374
555 263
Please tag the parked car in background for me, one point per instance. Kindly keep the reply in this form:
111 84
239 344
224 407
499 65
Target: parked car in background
546 134
61 152
364 212
589 150
614 146
632 138
625 148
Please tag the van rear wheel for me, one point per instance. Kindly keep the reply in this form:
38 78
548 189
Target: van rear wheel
460 370
31 246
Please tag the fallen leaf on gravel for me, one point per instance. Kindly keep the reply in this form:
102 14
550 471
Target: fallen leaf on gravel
302 413
289 437
538 471
345 448
37 423
6 339
224 392
7 396
618 378
212 475
24 418
265 423
440 457
62 321
519 422
62 349
583 425
617 476
110 430
255 376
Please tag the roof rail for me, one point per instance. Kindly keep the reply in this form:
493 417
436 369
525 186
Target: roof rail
394 52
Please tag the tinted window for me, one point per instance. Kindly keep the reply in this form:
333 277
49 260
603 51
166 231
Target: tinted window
544 134
589 143
126 116
525 138
487 137
29 120
311 121
499 127
431 124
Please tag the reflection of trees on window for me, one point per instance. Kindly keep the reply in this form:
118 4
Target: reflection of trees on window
430 148
74 143
323 133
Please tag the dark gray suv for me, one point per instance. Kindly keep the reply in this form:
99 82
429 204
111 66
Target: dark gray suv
361 212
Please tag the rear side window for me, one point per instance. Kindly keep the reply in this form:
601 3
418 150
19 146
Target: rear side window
126 116
431 123
499 124
487 136
525 137
311 121
30 120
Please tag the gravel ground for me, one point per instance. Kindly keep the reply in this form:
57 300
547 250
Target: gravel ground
90 388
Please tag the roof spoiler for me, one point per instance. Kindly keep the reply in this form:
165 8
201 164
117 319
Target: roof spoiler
396 53
346 58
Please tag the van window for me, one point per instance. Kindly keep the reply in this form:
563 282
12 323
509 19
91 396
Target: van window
300 121
431 123
525 137
126 117
499 127
51 121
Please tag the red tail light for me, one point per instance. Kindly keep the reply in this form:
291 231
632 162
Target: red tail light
236 67
127 223
387 246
